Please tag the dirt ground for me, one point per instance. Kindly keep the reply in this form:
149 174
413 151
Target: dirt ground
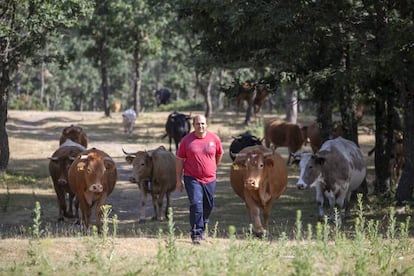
34 136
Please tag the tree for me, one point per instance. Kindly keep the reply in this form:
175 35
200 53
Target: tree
25 26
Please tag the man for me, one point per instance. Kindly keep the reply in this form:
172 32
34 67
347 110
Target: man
198 154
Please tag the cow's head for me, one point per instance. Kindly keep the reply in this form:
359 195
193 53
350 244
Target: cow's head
94 166
310 169
141 162
74 133
255 164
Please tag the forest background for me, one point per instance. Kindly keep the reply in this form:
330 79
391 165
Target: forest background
84 55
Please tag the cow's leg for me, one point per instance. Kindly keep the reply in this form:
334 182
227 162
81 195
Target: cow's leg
170 140
155 206
142 209
160 201
254 212
320 199
99 212
86 212
70 213
168 205
62 203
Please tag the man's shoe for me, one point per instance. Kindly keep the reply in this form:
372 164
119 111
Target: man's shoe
196 240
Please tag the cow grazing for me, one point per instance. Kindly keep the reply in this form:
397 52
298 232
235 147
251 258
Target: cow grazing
128 120
177 126
59 165
162 96
336 170
74 133
245 139
284 134
154 172
258 176
92 177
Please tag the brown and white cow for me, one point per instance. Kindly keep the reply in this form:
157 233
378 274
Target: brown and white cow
74 133
336 170
92 177
59 165
258 176
154 172
284 134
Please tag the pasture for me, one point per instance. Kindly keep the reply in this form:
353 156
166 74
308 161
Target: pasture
147 248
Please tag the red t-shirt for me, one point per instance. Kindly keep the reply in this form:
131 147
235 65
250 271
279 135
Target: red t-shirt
200 156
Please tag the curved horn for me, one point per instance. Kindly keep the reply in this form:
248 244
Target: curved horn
54 158
127 153
267 153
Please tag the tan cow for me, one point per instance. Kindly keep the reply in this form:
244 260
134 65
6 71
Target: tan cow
74 133
59 165
259 176
284 134
154 172
92 177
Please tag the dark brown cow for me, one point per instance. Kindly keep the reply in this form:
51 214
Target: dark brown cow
284 134
154 172
258 176
59 165
74 133
92 177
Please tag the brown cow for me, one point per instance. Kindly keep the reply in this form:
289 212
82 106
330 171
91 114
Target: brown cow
92 177
314 136
246 90
74 133
258 176
154 172
284 134
59 165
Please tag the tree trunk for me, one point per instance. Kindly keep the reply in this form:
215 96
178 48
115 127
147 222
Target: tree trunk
4 96
291 103
405 186
325 108
137 81
105 78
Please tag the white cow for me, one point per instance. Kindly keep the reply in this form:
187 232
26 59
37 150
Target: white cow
128 120
336 170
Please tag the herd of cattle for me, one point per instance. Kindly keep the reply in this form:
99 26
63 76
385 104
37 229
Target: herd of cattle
259 175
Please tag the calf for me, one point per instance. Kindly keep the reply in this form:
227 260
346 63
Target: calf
336 170
258 176
284 134
74 133
128 120
154 172
177 126
92 177
59 165
240 142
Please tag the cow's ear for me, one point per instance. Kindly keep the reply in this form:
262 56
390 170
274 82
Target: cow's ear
269 162
320 160
109 164
129 159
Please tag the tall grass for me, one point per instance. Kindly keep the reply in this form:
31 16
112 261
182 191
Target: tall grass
326 250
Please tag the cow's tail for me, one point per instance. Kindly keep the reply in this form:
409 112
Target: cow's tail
165 135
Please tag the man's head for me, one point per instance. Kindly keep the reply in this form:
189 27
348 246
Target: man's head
200 125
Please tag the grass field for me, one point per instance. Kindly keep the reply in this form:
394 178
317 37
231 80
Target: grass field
33 137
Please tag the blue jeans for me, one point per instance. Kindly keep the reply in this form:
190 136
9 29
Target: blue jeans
201 197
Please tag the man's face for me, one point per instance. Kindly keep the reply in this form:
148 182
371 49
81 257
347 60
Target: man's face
200 125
